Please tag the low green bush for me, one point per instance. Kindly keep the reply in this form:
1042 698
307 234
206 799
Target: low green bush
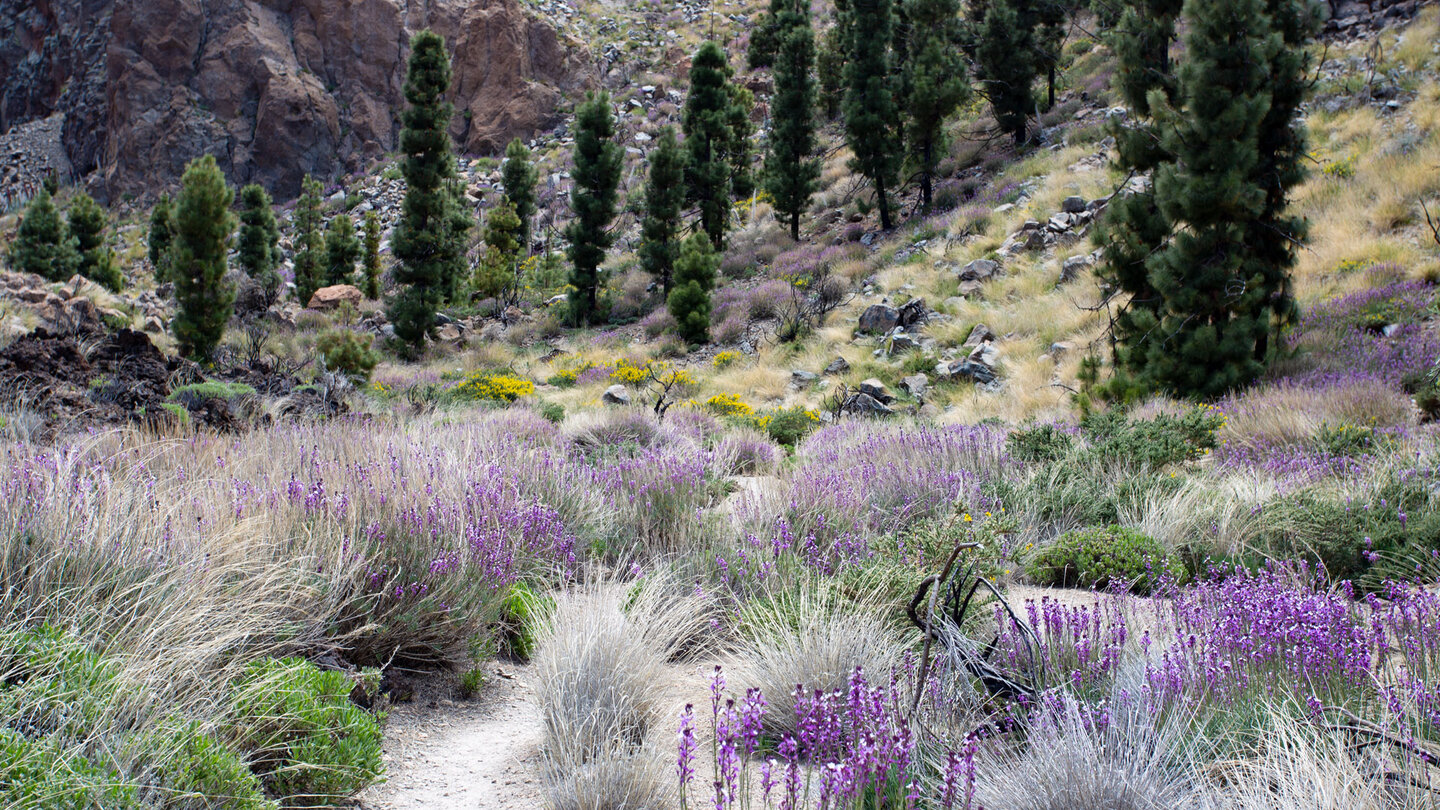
305 738
348 353
1039 444
210 389
522 613
40 774
1104 558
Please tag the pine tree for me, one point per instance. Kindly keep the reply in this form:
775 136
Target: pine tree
1133 229
309 242
428 243
520 177
737 149
765 36
371 262
496 276
162 233
1203 338
830 65
203 225
708 121
86 223
1274 237
871 116
936 84
257 246
1005 54
42 245
792 172
689 302
664 196
1047 19
342 250
598 162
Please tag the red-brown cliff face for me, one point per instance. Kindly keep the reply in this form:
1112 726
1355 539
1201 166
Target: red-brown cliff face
273 88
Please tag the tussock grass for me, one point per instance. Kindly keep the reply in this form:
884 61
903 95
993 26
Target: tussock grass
810 635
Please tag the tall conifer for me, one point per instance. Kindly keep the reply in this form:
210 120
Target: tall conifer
598 162
664 196
203 225
792 171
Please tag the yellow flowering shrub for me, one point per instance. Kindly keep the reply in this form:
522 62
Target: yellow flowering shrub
728 405
631 373
726 358
494 386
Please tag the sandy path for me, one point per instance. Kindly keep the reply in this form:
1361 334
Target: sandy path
465 755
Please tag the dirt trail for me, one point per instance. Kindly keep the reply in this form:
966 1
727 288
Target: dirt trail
459 755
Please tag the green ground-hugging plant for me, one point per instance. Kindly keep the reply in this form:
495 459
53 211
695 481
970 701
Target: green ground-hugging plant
310 744
1391 534
522 613
62 746
40 774
1039 444
347 352
1102 558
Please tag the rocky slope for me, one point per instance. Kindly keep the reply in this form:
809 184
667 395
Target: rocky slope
273 88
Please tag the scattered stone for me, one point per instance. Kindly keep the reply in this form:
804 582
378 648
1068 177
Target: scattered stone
970 289
862 404
1074 266
332 297
874 388
978 335
913 312
800 378
1073 205
837 366
915 385
980 270
901 342
878 319
616 394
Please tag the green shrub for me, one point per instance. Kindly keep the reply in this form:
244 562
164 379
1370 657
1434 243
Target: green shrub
210 389
1346 439
1366 541
195 767
522 613
304 737
1038 444
788 426
38 774
348 353
1152 443
1102 558
553 412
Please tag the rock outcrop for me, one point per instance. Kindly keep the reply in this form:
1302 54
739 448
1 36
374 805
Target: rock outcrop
274 89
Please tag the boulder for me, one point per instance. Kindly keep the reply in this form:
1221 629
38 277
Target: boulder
970 370
913 312
901 342
450 332
332 297
971 289
1074 266
979 334
616 395
1073 205
800 377
874 388
837 366
980 270
878 319
915 385
862 404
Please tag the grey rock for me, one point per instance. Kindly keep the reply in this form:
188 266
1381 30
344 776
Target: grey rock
862 404
979 334
1074 266
837 366
915 385
875 388
616 395
1073 205
878 319
802 377
980 270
